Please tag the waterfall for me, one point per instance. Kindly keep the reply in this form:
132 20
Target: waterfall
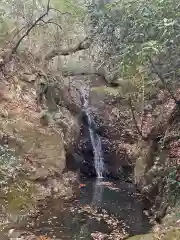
97 149
95 138
97 192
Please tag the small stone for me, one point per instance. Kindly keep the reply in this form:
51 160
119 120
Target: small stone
178 221
4 114
40 174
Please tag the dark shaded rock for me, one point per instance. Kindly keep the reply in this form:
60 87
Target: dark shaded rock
116 164
86 158
85 147
87 169
116 174
82 162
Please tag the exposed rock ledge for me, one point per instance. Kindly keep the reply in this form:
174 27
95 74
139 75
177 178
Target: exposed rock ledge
41 147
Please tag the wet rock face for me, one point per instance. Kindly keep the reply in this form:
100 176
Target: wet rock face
112 122
87 163
82 159
113 115
114 125
82 156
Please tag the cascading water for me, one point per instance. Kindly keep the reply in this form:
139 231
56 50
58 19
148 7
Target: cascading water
97 149
95 138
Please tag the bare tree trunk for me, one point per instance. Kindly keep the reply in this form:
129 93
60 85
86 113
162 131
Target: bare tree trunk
134 118
85 44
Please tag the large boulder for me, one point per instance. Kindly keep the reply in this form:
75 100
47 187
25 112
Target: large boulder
41 147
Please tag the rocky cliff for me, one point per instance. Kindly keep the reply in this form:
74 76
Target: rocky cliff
34 141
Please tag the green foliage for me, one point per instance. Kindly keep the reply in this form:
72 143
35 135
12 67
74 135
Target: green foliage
5 26
173 181
19 192
132 31
71 7
129 32
20 196
17 16
147 28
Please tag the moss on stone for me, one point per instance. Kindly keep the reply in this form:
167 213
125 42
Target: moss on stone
142 237
20 196
172 234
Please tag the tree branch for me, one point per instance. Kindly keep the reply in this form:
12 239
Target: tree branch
51 22
30 28
62 13
134 118
90 73
158 73
85 44
18 33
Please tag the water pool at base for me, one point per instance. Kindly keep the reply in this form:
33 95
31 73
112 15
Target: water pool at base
98 206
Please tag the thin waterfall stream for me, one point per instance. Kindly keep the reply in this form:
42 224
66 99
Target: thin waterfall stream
95 138
97 151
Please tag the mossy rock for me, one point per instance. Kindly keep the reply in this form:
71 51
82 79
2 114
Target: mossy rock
148 236
20 196
173 234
